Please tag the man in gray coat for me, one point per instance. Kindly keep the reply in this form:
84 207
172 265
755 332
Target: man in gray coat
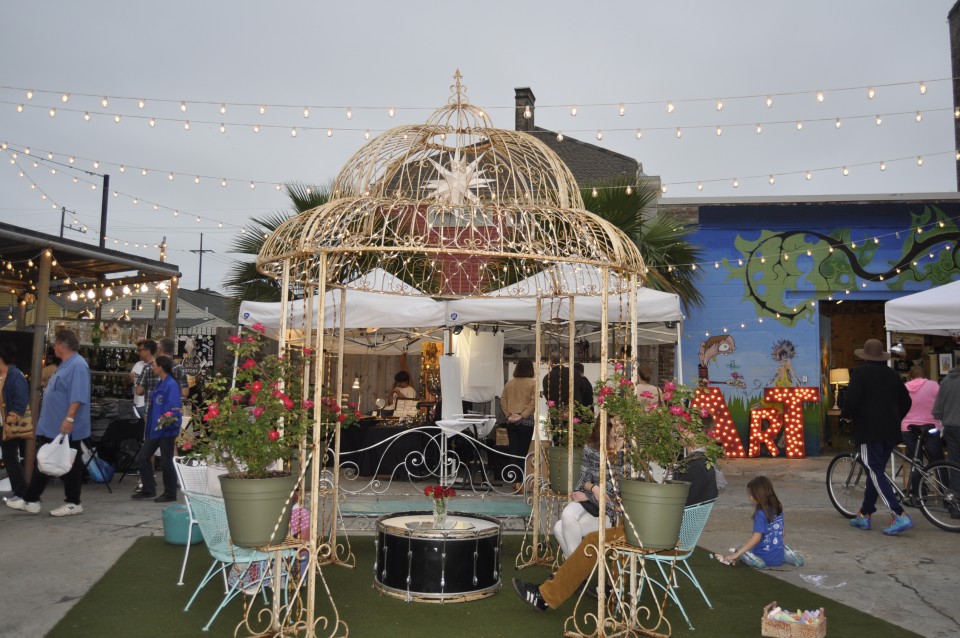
946 409
876 401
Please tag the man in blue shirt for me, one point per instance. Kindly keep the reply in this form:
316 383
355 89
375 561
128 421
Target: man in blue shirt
65 409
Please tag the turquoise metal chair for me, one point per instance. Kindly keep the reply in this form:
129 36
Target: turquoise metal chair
211 515
694 521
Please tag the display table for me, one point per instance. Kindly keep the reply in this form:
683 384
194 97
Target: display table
418 563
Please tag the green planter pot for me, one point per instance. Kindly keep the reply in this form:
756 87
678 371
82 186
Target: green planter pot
655 510
558 467
254 507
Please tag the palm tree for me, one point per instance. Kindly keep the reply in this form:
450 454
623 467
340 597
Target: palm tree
242 281
662 241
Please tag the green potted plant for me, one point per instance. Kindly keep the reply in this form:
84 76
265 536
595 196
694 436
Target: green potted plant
558 428
660 431
255 427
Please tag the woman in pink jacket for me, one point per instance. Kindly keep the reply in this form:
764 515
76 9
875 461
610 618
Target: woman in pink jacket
923 392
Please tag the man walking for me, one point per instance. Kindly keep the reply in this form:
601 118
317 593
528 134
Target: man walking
876 401
65 409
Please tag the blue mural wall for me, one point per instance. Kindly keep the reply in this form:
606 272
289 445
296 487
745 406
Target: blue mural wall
769 267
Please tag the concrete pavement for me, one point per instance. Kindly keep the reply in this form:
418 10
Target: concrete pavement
911 580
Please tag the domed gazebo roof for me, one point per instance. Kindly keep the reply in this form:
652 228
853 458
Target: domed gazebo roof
454 208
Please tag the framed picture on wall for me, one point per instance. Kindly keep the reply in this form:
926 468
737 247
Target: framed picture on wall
946 362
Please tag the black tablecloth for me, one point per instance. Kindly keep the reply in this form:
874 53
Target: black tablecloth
413 450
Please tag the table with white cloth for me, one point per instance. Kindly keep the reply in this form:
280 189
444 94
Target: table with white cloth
474 428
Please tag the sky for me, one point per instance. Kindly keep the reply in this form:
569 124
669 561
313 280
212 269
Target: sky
367 57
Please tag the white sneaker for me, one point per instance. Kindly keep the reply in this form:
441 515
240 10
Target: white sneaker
17 503
67 509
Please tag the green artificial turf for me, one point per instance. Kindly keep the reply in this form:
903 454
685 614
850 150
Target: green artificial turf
138 596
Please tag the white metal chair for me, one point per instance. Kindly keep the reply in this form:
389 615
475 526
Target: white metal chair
192 475
211 514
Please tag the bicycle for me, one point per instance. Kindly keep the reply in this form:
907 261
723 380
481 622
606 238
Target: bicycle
938 492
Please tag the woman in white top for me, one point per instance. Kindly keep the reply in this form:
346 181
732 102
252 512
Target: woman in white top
401 389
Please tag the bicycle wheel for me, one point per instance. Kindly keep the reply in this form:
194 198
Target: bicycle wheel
940 494
846 481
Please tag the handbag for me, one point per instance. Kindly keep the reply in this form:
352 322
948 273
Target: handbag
56 457
18 427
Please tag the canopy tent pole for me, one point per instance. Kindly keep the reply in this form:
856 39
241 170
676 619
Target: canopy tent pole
678 362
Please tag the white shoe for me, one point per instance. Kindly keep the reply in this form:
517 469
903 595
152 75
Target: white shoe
67 509
17 503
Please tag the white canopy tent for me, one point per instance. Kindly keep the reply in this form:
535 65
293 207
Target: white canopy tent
404 319
933 312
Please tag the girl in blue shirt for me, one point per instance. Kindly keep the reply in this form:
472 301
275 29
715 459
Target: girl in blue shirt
765 548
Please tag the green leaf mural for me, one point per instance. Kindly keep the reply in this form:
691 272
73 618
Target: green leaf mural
821 265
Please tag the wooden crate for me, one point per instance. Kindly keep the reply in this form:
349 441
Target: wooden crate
783 629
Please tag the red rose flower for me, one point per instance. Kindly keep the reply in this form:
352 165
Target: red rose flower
274 435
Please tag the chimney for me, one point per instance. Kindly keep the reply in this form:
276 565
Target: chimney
525 101
953 18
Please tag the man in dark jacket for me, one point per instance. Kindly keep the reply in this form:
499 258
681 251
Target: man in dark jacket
876 401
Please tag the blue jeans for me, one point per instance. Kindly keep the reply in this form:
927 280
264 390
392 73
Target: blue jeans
144 461
876 456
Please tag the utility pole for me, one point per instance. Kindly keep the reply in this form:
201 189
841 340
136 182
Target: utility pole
103 211
200 272
63 222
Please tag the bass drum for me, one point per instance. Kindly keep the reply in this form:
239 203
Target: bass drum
416 562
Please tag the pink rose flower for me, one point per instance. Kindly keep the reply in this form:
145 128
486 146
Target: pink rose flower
257 411
670 386
235 339
248 364
550 404
258 327
256 386
308 404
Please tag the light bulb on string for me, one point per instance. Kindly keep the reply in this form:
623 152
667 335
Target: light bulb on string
104 102
679 133
53 112
871 93
142 103
799 125
918 117
86 116
186 125
919 160
768 101
837 123
772 180
622 110
883 166
153 122
223 128
669 107
527 113
19 108
599 135
256 128
306 111
560 139
29 94
699 186
845 171
223 183
736 183
719 104
759 128
719 131
922 87
293 132
808 175
329 132
573 111
879 120
639 134
820 96
390 112
223 109
183 107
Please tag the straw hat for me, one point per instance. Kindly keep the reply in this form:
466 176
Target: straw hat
872 351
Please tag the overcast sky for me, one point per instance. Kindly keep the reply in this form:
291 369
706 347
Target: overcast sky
370 56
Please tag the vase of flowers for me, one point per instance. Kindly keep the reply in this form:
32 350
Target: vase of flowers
661 431
559 430
439 495
255 427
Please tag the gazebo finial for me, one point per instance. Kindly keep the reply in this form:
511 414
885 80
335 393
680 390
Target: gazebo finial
458 90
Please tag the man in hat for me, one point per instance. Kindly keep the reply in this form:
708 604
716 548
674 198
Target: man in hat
876 402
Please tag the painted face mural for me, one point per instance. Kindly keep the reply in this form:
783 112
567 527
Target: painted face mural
710 349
